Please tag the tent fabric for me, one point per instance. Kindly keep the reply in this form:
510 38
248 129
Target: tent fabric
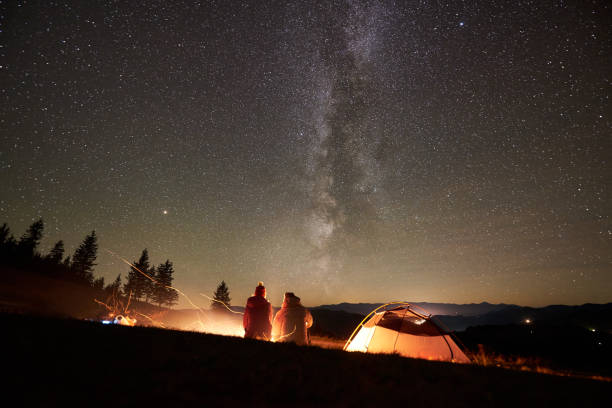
404 322
408 334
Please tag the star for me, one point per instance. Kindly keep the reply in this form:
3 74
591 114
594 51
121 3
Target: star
311 147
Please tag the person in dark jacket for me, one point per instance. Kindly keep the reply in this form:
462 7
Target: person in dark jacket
257 320
292 321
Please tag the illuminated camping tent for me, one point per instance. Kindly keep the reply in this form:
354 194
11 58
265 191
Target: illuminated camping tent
398 328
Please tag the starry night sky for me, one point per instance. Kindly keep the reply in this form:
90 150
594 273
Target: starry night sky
346 151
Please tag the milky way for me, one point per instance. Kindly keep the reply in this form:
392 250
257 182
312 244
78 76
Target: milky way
347 151
343 168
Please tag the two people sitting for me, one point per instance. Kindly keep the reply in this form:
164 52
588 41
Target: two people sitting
290 324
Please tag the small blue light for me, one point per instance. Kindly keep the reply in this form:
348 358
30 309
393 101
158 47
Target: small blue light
461 24
106 322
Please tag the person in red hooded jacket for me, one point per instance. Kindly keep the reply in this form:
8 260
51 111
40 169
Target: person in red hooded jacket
292 321
258 314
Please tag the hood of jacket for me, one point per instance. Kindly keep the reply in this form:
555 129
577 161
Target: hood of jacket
256 301
291 301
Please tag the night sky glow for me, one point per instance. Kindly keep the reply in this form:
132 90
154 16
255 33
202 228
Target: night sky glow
347 151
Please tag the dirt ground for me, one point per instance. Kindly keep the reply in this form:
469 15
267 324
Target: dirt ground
60 362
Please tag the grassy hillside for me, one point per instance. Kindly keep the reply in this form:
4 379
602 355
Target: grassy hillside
562 348
54 362
24 291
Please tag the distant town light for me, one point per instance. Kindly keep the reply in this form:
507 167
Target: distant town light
527 321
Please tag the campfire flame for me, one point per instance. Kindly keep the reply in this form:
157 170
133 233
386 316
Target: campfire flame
118 313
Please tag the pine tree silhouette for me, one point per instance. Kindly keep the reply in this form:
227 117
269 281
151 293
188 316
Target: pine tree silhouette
137 283
52 262
5 233
8 245
149 285
56 254
67 263
98 283
115 287
83 259
162 294
221 295
26 247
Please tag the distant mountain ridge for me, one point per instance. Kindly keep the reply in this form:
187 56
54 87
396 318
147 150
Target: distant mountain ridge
434 309
590 316
459 317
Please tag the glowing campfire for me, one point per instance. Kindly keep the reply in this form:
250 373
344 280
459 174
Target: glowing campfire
118 312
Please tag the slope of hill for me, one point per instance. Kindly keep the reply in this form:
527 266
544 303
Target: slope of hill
563 348
56 362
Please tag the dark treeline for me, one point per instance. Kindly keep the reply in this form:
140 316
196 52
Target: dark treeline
150 284
22 255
